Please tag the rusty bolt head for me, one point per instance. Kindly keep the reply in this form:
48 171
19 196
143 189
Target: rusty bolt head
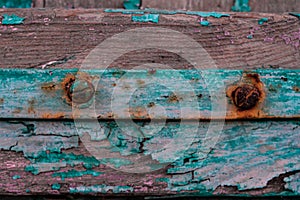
245 96
80 91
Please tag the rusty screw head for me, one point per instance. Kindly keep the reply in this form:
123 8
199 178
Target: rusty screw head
80 91
245 96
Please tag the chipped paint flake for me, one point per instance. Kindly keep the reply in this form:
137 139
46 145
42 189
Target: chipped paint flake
12 19
146 18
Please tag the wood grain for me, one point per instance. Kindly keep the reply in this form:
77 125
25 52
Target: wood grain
266 6
77 4
70 35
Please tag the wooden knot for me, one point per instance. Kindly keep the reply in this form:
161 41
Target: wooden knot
246 96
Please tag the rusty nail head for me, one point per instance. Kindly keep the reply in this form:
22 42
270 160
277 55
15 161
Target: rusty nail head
245 96
80 91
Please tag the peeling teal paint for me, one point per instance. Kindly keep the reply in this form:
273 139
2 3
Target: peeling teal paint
132 4
261 21
12 19
56 186
117 162
100 189
74 173
146 18
15 3
15 177
58 160
295 14
168 12
241 6
250 36
205 23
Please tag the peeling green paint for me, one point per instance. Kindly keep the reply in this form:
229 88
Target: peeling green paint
12 19
168 12
56 186
57 160
250 36
15 177
117 162
132 4
100 189
261 21
74 173
146 18
295 14
15 3
205 23
241 6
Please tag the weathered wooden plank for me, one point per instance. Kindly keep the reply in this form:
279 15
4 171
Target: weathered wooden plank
271 6
68 36
145 94
78 4
247 158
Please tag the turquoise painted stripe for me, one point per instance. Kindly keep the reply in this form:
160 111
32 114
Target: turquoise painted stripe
40 94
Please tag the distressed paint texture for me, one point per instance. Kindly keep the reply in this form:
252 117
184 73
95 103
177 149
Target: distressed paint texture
241 6
243 148
168 12
41 94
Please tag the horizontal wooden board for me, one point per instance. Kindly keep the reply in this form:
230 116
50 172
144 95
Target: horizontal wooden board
246 158
144 94
267 6
65 37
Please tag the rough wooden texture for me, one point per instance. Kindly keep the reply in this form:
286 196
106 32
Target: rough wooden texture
68 36
230 167
47 156
77 4
267 6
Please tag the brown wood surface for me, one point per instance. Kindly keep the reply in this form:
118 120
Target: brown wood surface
67 36
268 6
78 4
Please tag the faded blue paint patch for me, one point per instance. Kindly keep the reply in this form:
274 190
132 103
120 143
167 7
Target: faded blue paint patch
15 3
205 23
262 21
117 162
132 4
74 173
241 6
100 189
250 36
15 177
12 19
168 12
146 18
56 186
207 14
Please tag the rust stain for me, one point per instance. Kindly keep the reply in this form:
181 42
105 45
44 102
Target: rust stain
31 106
252 112
174 99
48 87
151 104
1 100
296 89
17 111
58 115
140 82
66 85
139 113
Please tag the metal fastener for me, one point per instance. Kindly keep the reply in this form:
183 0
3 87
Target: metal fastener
80 91
246 96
